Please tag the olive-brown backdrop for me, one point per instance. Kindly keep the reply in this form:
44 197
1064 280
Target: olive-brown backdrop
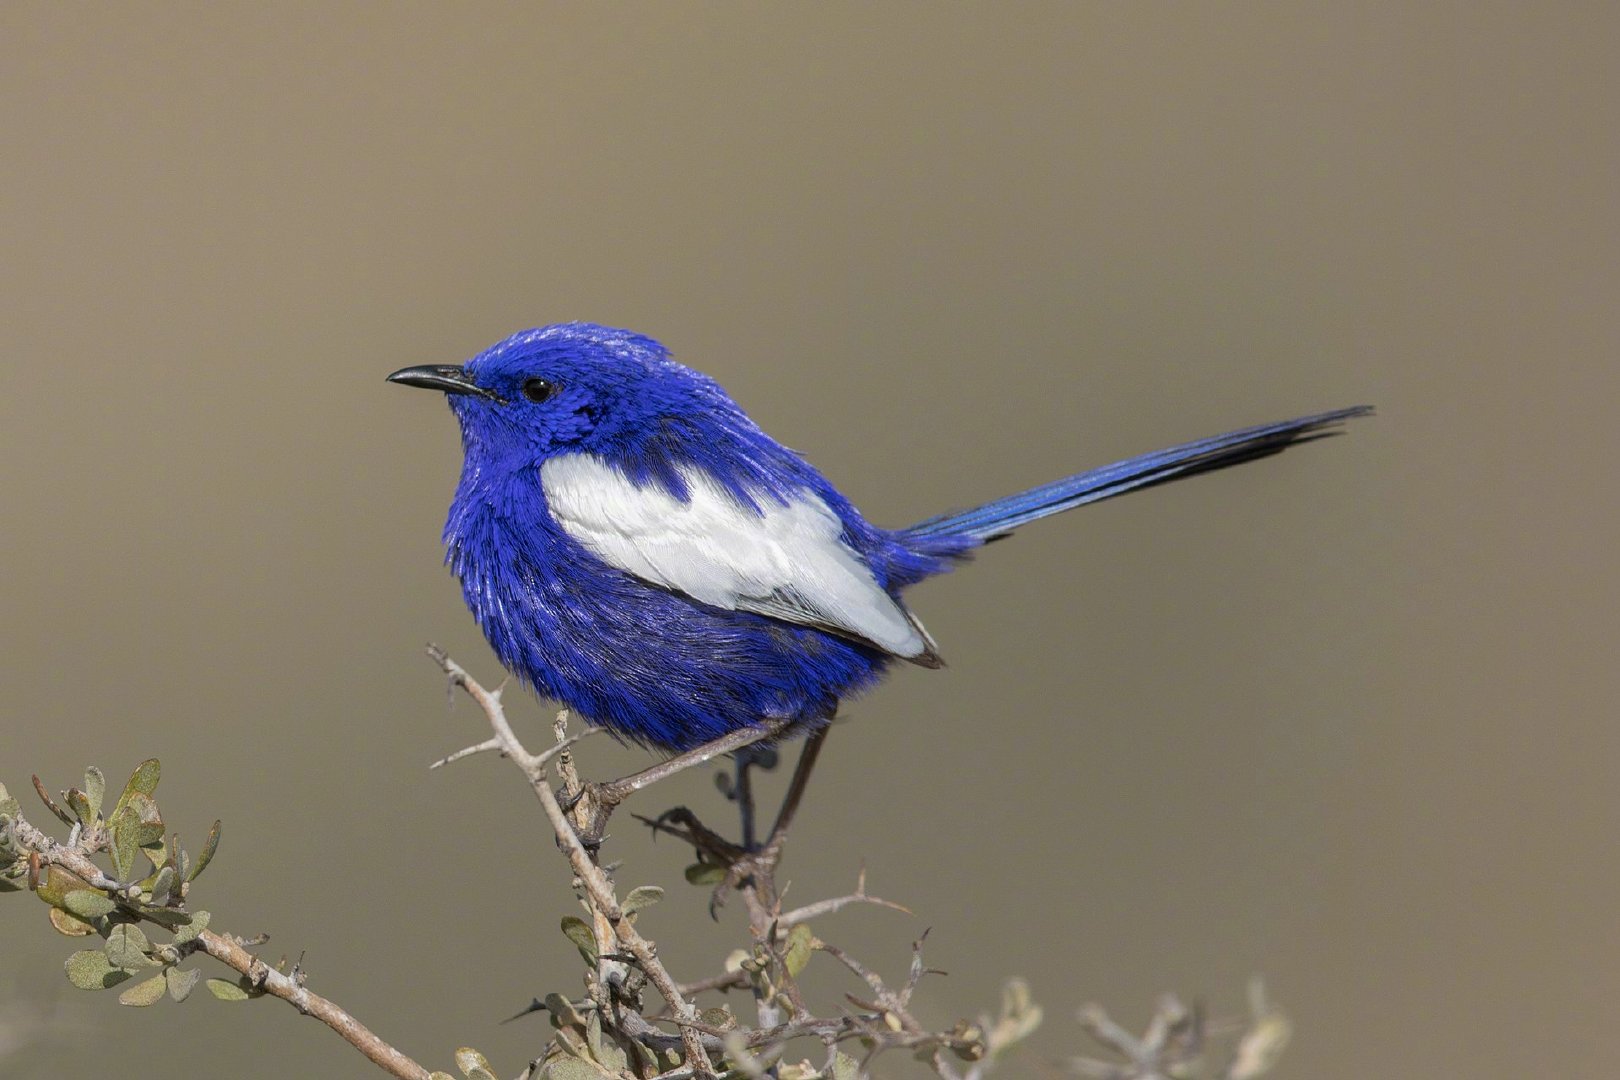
1344 718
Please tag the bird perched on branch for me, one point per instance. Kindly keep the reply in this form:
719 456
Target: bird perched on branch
635 547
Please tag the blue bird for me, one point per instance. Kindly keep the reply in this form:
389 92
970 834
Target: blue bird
635 547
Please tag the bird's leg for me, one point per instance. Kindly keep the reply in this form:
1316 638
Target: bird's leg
742 790
758 866
602 799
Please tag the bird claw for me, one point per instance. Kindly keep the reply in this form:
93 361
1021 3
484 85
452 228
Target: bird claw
588 810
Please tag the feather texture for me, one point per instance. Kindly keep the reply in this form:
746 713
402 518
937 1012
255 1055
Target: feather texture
635 547
785 559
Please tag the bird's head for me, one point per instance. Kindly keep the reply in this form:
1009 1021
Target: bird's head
568 387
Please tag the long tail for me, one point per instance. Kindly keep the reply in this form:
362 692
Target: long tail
994 520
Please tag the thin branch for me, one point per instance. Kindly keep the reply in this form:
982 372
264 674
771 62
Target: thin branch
466 752
589 873
728 980
626 786
789 919
229 950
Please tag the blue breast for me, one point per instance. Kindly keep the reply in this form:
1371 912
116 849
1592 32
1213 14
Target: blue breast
651 665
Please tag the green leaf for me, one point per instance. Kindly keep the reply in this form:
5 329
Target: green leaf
703 873
144 781
127 947
95 788
123 843
562 1011
148 821
143 993
90 970
718 1017
207 856
845 1067
168 918
574 1069
87 904
640 898
9 807
797 953
579 932
197 924
603 1050
226 991
58 884
181 983
473 1065
79 803
163 883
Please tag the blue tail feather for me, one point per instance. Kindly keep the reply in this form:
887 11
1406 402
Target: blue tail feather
997 519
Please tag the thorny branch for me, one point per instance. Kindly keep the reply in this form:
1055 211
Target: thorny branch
612 1032
44 854
710 1042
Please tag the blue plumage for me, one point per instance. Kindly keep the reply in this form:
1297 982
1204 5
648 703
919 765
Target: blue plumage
635 547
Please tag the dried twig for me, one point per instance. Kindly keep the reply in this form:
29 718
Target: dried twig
585 868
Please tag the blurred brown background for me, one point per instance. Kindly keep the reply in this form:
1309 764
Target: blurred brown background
1344 718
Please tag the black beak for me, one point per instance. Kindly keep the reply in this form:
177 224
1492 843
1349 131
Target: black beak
451 380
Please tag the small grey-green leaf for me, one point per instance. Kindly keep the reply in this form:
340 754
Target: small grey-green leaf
143 993
473 1065
718 1017
705 873
88 905
163 883
207 855
123 843
562 1011
127 946
198 923
641 897
143 780
9 807
89 970
797 953
577 931
226 991
845 1067
571 1068
613 1059
168 918
79 803
148 819
95 788
181 983
609 1056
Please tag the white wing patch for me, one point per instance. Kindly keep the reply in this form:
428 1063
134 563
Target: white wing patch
787 562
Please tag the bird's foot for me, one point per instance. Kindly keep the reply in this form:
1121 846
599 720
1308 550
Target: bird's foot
741 789
713 851
681 823
589 808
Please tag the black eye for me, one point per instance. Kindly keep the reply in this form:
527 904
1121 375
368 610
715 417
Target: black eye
538 390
